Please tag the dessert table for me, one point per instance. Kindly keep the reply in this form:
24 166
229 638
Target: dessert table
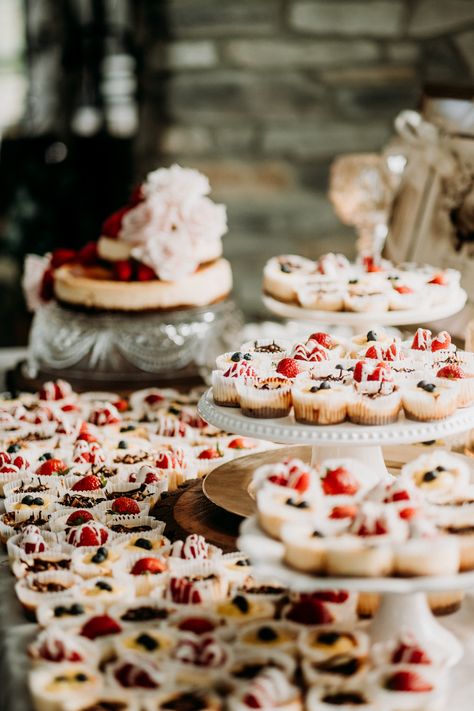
16 632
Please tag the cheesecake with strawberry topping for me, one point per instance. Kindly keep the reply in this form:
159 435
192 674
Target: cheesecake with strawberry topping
162 251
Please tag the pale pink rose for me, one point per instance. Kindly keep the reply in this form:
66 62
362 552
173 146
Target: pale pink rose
169 254
33 274
177 185
149 218
204 220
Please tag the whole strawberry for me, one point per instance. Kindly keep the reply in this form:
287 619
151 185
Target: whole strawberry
52 466
151 566
339 481
453 372
91 482
125 506
288 367
77 518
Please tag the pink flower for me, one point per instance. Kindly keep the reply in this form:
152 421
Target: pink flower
204 220
176 185
169 254
33 273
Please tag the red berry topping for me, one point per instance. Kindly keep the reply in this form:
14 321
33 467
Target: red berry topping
408 513
252 701
5 458
148 565
381 372
85 434
122 405
123 270
339 481
343 512
125 506
337 597
131 676
403 289
421 339
324 339
197 625
210 453
451 371
113 223
21 462
47 285
88 254
77 518
51 466
407 681
288 367
438 279
89 534
441 341
145 273
310 611
358 372
410 654
62 256
100 626
154 398
91 482
377 529
371 265
372 352
242 443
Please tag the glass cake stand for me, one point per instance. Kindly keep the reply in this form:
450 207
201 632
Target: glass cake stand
363 321
130 347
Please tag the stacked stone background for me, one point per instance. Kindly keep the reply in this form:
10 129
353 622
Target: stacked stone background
262 94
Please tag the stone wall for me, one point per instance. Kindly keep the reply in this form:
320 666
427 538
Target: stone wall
262 94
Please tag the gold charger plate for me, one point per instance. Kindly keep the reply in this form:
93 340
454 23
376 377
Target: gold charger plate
228 486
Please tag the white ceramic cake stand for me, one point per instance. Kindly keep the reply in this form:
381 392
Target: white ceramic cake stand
344 440
363 321
403 604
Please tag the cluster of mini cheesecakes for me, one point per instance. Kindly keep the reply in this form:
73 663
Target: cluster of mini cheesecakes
341 519
332 283
132 621
370 379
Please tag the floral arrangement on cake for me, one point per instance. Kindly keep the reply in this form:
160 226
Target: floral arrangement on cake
166 231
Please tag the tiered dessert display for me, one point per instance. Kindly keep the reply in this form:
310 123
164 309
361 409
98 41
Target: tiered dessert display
149 297
348 398
332 290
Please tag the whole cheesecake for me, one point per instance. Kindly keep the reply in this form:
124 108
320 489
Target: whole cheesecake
95 288
161 251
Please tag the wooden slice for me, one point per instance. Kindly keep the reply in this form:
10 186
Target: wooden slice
194 513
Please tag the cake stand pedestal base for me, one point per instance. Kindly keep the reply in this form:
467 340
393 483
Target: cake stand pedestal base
401 611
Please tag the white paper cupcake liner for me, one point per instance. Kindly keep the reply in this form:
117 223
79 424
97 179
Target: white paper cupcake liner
48 508
224 390
30 598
